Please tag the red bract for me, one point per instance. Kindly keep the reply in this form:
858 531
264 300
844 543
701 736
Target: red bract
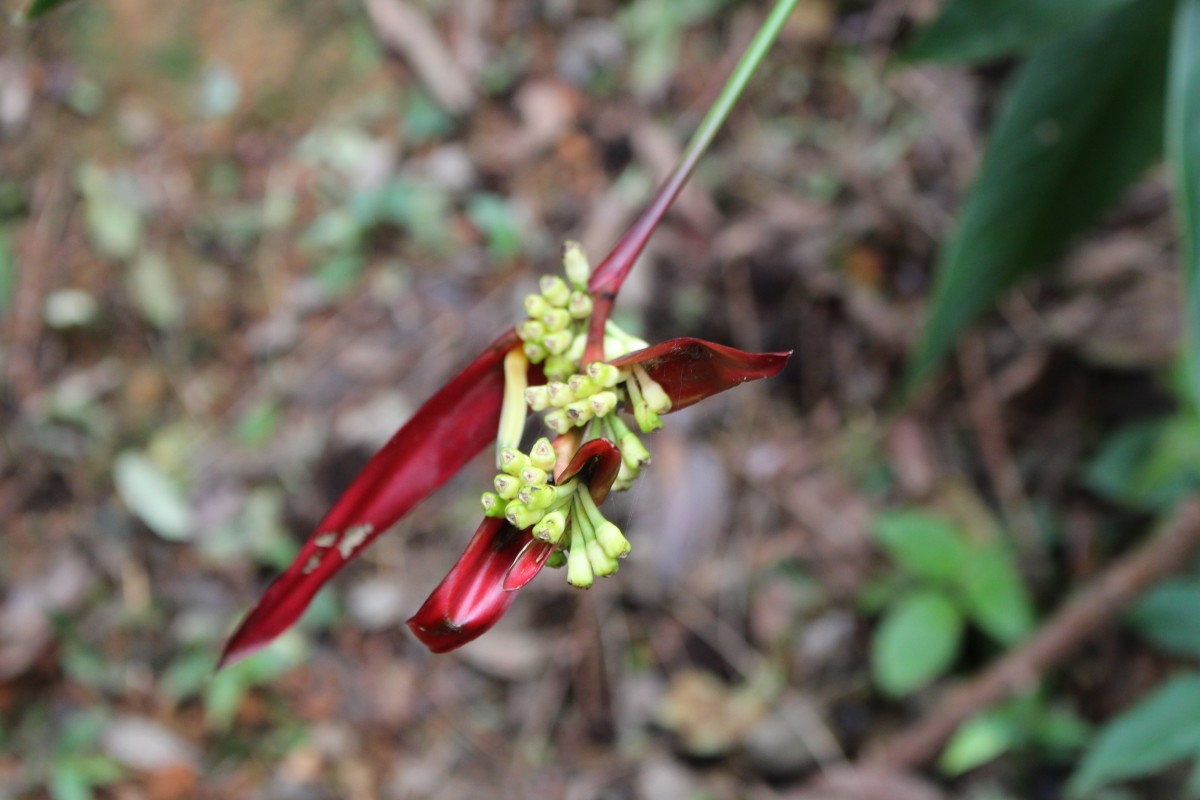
692 369
443 435
500 560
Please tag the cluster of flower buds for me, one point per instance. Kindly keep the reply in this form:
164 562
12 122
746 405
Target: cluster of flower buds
565 516
556 332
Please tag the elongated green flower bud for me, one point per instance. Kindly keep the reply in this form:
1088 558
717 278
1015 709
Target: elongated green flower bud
579 571
647 420
537 497
560 394
577 348
557 343
613 349
533 476
537 398
493 504
542 454
582 386
652 391
633 452
551 528
575 264
555 290
605 375
579 412
558 422
556 319
512 461
603 403
521 515
507 486
536 305
512 407
556 560
627 473
613 542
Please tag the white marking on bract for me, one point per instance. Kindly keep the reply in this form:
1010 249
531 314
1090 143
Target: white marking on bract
355 536
314 561
326 539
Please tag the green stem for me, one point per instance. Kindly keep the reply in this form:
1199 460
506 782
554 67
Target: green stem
609 276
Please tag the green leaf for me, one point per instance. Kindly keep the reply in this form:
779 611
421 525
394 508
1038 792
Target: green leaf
152 496
924 544
1148 465
495 217
996 598
153 290
978 741
916 642
1183 151
975 30
39 8
1169 616
1084 118
67 783
1161 730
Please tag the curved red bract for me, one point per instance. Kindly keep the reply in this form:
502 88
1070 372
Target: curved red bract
597 463
690 370
446 432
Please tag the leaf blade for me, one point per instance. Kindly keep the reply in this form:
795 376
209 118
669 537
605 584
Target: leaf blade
1183 150
1084 118
916 642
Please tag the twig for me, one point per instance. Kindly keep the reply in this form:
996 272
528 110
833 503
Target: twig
1057 638
406 30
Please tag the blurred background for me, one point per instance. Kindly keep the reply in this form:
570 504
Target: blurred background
241 240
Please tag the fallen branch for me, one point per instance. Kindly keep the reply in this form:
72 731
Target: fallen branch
1057 638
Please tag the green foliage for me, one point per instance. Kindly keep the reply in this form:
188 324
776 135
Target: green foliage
916 642
657 31
975 30
40 8
1160 730
958 579
1148 465
1183 145
1083 119
76 768
496 218
1168 616
150 494
1025 722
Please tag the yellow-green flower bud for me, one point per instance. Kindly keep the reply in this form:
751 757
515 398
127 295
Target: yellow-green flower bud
579 412
603 403
537 497
533 476
536 305
579 305
551 528
493 504
556 319
626 472
534 352
605 375
537 398
613 348
575 264
556 560
557 343
612 541
557 421
560 394
521 515
579 571
555 290
582 386
531 330
577 348
647 420
512 461
558 368
633 452
601 563
507 486
542 454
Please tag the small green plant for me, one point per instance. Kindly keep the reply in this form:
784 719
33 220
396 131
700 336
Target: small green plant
943 579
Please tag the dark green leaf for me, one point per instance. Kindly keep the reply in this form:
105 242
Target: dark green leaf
996 598
1148 465
1084 118
1160 730
1183 143
39 8
916 642
1169 616
923 544
974 30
